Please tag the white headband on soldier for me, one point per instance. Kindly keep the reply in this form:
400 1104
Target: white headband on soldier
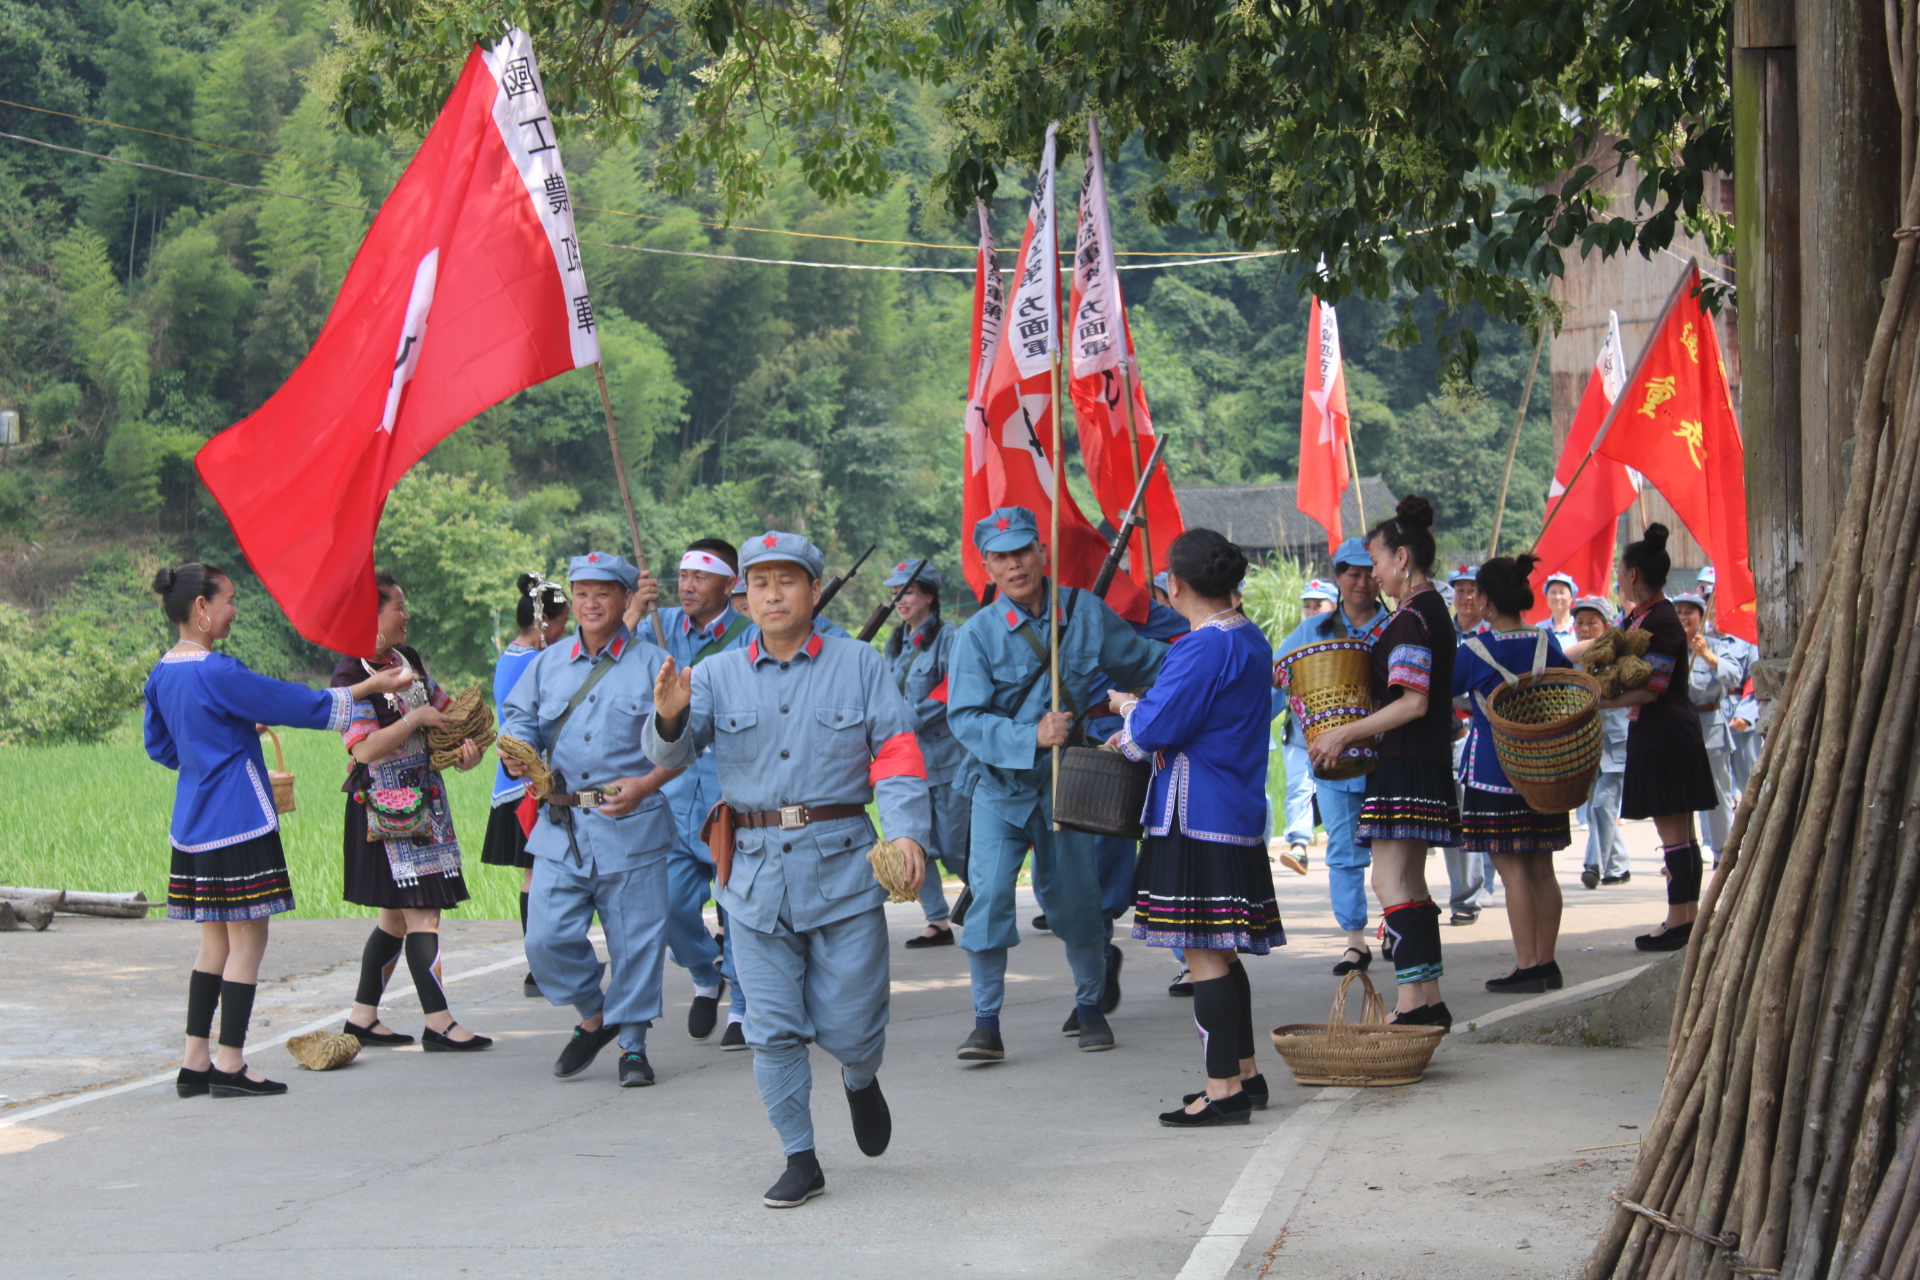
706 562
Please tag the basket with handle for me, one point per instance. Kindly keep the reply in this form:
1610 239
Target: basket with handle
281 779
1371 1053
1331 683
1546 730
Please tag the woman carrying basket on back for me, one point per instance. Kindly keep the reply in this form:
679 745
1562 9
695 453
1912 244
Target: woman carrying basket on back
1203 881
1495 817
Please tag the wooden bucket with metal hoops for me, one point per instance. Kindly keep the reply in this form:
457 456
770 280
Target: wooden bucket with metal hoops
1546 730
1371 1053
1330 683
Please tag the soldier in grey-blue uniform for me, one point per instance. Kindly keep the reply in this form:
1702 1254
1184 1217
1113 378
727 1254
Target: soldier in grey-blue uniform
702 625
1606 861
603 835
917 652
806 731
1744 719
1713 685
999 692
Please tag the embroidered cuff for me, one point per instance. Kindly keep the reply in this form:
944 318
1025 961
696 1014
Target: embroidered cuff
361 722
1411 667
1127 746
1662 672
341 714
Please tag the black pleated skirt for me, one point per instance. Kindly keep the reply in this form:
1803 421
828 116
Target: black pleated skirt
506 843
245 881
1494 822
1667 779
1409 800
1207 894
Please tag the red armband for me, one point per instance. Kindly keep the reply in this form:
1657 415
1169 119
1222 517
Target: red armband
899 756
939 692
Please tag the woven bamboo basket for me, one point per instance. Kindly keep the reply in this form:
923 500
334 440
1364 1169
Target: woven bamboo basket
1328 684
1101 792
1546 731
281 779
1371 1053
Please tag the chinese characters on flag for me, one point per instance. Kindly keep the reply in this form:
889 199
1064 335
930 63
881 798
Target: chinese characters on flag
1324 423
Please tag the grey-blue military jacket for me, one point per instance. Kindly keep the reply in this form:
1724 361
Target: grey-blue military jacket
825 727
601 741
1716 687
998 688
919 670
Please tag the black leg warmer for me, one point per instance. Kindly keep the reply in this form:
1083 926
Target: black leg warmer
423 959
1683 873
377 959
203 994
523 915
1414 928
1216 1010
236 1011
1237 973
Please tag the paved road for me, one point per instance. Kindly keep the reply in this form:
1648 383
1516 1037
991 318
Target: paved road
1047 1164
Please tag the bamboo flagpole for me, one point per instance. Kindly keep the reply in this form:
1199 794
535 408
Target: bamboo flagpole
1353 470
1053 559
626 493
1127 375
1513 444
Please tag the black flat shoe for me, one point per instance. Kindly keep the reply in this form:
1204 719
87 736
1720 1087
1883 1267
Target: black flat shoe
583 1049
529 988
704 1014
1438 1015
234 1084
1110 993
367 1036
938 938
1674 939
802 1181
1236 1109
440 1042
190 1083
1590 878
1550 974
872 1121
635 1071
1625 877
1254 1087
1523 980
1071 1027
983 1045
1347 966
1040 923
1095 1035
734 1038
1181 985
1427 1015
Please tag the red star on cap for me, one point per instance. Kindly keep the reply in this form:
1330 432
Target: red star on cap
900 568
593 559
771 539
1003 523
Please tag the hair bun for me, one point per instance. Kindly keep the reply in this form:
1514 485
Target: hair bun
1655 536
1415 510
1526 563
163 581
527 582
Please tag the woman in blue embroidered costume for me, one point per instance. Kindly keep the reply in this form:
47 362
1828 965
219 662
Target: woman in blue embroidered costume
204 713
542 615
1668 777
401 855
1203 881
1410 802
1494 817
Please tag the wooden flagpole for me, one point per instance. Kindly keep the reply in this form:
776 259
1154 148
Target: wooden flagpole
626 493
1353 470
1053 550
1127 374
1513 444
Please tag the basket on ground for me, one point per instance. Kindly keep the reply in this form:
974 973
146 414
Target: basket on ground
282 780
1546 730
1101 791
1331 683
1370 1053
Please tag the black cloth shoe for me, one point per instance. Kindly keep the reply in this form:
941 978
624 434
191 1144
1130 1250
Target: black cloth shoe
439 1042
1438 1015
1181 985
1095 1034
1040 923
983 1045
734 1038
1464 917
872 1122
1590 878
583 1049
1347 966
1110 993
1625 877
1234 1110
635 1071
802 1181
1526 980
234 1084
1550 974
1427 1015
704 1014
367 1035
939 938
1674 939
529 988
1071 1027
1254 1087
191 1084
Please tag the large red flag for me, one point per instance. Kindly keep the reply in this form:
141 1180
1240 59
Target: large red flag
1095 341
1674 424
1580 541
467 290
1010 412
1324 424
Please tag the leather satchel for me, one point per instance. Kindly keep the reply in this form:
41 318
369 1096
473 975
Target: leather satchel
718 832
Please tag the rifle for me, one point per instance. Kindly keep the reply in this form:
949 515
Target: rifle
1135 517
840 580
879 618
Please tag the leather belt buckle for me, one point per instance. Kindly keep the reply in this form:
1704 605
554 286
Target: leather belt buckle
793 817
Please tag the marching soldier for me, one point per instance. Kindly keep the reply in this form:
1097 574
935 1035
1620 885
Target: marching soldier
603 836
1713 684
917 653
997 705
806 730
1746 708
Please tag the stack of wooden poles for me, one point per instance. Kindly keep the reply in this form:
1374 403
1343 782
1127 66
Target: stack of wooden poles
1784 1144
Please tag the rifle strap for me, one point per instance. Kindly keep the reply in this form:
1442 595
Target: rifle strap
722 640
600 668
1041 651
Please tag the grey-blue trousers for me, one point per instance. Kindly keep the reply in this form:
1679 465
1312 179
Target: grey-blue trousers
633 911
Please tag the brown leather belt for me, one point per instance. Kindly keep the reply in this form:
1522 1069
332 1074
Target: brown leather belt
792 817
1704 707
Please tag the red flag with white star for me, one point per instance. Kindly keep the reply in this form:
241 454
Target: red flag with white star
468 289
